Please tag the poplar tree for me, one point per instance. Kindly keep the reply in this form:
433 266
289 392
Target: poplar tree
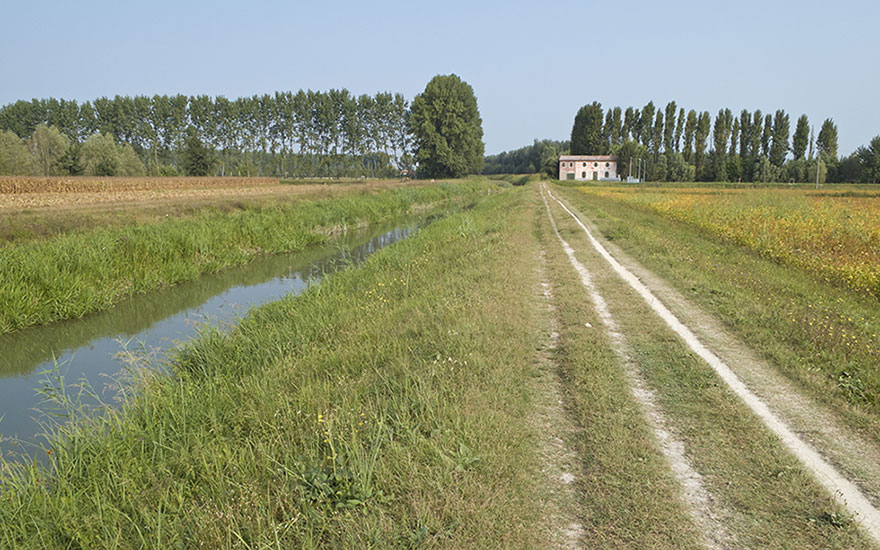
800 138
690 129
745 134
767 135
826 143
586 132
669 129
616 130
720 137
647 124
606 130
628 124
679 127
657 135
701 134
779 144
734 137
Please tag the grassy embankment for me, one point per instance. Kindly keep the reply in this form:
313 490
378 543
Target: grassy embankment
39 208
820 334
764 497
84 271
383 407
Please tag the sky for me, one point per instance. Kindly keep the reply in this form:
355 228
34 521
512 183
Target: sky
531 64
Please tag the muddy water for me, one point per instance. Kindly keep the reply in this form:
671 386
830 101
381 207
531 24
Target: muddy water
89 349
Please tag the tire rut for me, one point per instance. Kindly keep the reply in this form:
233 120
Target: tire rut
811 432
703 507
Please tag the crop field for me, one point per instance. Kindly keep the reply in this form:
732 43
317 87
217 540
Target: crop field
18 193
831 233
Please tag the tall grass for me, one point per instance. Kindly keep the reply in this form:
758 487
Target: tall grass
75 274
836 237
382 408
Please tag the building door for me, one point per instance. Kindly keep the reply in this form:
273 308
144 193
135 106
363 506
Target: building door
569 176
595 176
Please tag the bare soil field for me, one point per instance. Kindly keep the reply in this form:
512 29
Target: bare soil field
29 192
36 208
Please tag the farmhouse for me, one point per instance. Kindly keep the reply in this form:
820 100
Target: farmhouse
588 167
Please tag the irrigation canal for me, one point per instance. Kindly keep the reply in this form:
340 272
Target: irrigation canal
93 349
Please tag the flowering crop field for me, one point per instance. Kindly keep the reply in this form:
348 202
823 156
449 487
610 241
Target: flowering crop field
833 233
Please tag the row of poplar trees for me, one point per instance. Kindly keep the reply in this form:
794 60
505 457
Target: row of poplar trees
672 144
287 134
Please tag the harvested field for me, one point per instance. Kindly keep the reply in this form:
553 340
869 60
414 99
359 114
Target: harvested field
85 184
20 193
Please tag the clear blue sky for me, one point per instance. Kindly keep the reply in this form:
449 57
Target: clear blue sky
531 64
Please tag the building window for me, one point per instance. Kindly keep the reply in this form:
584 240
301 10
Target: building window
595 164
583 175
607 164
570 164
585 165
606 174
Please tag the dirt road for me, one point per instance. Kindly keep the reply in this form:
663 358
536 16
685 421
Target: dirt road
844 464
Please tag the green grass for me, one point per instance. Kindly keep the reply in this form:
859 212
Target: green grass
630 498
786 314
516 179
767 498
382 408
75 274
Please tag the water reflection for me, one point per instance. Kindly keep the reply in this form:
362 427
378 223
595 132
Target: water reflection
87 349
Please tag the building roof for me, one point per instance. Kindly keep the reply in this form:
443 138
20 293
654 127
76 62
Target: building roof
589 158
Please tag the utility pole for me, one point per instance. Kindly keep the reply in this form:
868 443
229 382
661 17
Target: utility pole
817 170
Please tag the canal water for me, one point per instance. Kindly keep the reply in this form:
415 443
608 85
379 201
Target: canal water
90 349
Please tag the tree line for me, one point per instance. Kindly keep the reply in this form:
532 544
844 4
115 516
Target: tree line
303 134
541 156
670 144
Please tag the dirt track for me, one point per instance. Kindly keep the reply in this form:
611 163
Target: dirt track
844 463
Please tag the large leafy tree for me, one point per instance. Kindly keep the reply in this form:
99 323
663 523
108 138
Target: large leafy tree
47 145
869 160
448 129
198 158
15 159
628 158
586 132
